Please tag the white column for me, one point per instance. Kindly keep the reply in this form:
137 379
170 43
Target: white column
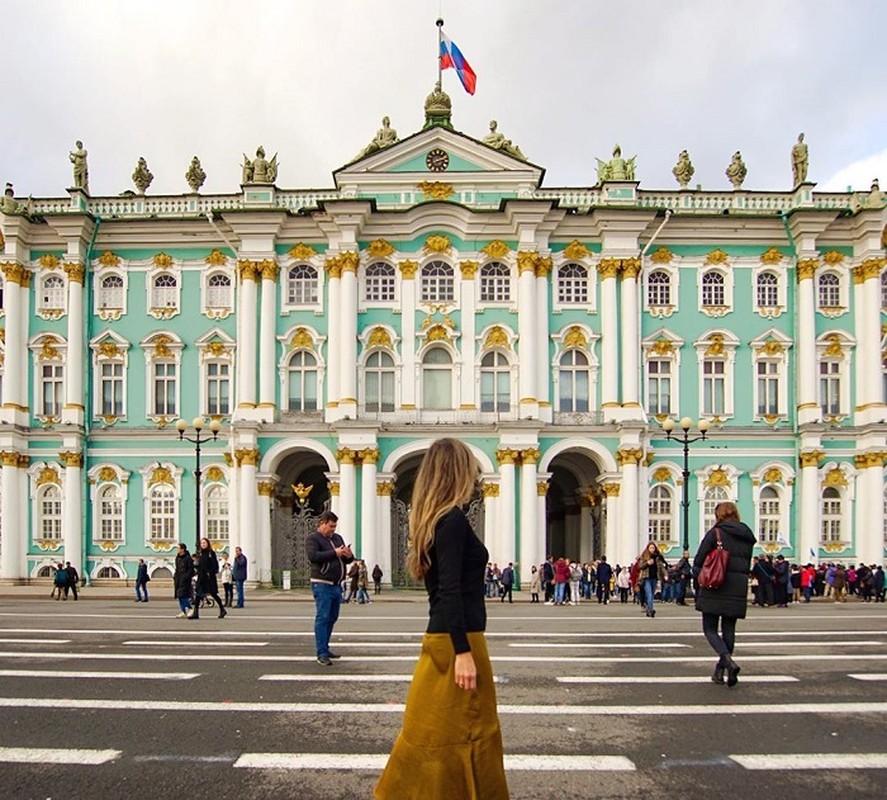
608 269
335 490
246 346
369 544
527 326
491 512
808 519
870 508
586 525
268 340
619 549
347 512
408 340
468 308
869 397
248 458
15 388
543 362
808 407
529 498
383 493
346 320
72 511
74 399
259 566
541 521
500 546
15 534
631 345
334 337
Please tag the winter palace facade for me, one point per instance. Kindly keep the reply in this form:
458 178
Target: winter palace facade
438 289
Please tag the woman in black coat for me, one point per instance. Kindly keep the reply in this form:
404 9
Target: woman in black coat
728 603
207 584
182 579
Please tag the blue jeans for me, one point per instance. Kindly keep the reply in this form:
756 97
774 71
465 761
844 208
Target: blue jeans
648 588
184 604
327 601
239 586
142 590
560 592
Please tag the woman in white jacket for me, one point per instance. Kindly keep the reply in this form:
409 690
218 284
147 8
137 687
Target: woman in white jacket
623 584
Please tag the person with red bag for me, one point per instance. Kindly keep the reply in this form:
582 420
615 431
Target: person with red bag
721 607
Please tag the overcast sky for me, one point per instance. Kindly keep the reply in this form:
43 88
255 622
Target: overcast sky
566 79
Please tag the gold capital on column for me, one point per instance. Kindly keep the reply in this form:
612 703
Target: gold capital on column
871 267
345 455
14 272
247 456
544 265
349 261
468 270
247 270
265 488
370 455
872 459
334 488
333 267
811 458
9 458
542 488
629 455
631 267
71 458
507 456
610 489
807 268
609 267
269 270
385 488
526 261
530 455
408 269
75 272
490 489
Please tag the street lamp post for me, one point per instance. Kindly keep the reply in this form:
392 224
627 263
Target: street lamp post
686 440
197 423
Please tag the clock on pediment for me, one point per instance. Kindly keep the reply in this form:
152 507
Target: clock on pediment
437 160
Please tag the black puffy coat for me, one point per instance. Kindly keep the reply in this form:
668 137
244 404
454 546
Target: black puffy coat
183 574
731 599
207 569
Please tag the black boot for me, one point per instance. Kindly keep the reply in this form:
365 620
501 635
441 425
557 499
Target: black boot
718 675
732 670
222 612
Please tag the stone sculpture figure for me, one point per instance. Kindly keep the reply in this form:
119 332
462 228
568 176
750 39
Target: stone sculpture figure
142 176
195 175
385 137
736 170
799 161
81 168
438 108
497 140
683 170
617 168
8 203
259 170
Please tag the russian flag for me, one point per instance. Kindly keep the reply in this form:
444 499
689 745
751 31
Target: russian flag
451 56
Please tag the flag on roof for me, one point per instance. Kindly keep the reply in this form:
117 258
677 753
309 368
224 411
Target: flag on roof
451 57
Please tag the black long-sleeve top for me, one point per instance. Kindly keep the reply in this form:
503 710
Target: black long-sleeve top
455 580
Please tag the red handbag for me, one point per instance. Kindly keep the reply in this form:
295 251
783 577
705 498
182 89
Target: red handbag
714 569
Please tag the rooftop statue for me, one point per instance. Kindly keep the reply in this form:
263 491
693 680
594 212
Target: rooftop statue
736 170
799 161
617 168
81 168
142 176
259 170
683 170
496 139
438 108
195 175
8 203
385 137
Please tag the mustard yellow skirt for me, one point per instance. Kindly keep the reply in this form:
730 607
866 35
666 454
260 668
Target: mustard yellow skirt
450 745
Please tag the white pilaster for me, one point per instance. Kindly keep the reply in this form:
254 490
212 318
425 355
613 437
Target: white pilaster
808 518
527 326
246 345
608 269
72 511
347 511
383 490
268 341
369 544
15 534
869 397
334 338
247 459
259 566
346 321
468 309
619 549
408 340
808 407
529 533
15 300
502 541
72 412
539 512
543 362
631 345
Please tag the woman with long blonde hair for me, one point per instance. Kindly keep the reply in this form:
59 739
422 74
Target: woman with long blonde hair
450 745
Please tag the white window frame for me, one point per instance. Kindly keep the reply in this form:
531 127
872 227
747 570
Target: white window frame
162 347
380 284
299 276
305 370
716 309
727 343
707 497
54 518
49 350
841 291
495 371
453 372
827 346
101 356
217 303
844 486
300 337
590 350
174 492
439 288
52 302
499 285
764 352
572 291
779 291
656 520
105 308
102 476
366 370
164 302
218 512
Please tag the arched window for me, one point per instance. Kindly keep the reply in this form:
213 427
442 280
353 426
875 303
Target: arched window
379 282
217 513
831 514
767 290
162 513
46 571
108 572
768 515
49 506
495 283
302 382
110 511
829 290
111 291
713 289
660 514
713 496
659 288
437 283
52 293
218 291
495 383
164 291
437 379
572 284
379 382
301 285
574 381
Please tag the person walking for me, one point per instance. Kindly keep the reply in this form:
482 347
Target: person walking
73 580
184 571
603 574
652 568
239 574
728 603
207 583
508 583
60 582
363 596
548 580
328 554
227 576
534 584
142 579
377 579
682 571
839 583
623 584
353 577
450 744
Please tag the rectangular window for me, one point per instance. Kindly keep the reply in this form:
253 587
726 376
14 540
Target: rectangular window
714 388
659 387
218 388
768 388
830 387
112 390
165 389
163 518
52 389
380 390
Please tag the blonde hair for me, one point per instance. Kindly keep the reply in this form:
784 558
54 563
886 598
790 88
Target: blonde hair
446 479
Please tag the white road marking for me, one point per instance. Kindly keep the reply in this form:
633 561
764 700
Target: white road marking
54 675
376 762
35 641
188 643
721 709
337 678
812 761
869 676
831 643
586 645
50 755
671 679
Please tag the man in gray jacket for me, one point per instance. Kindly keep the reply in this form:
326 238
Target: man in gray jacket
328 554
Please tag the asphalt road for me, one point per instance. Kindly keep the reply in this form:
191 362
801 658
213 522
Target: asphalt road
113 699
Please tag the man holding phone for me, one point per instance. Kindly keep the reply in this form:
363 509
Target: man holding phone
328 554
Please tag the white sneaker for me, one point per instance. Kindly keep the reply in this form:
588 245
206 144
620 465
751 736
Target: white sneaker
180 614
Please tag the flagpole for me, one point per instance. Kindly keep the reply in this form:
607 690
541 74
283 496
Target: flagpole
439 24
